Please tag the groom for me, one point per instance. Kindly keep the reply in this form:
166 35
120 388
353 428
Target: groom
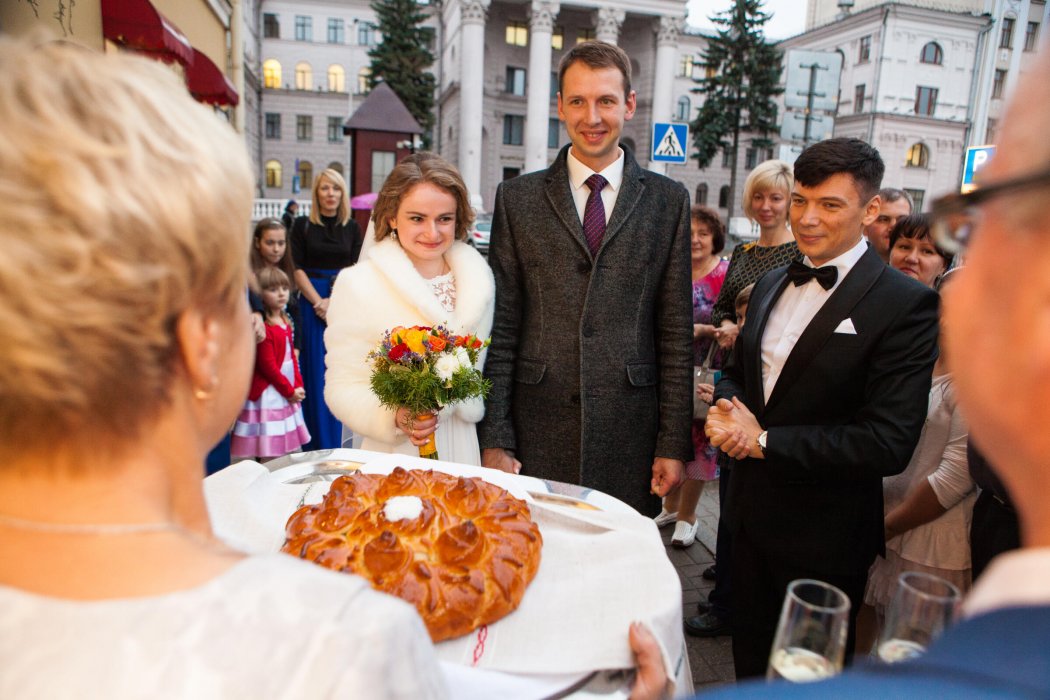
825 396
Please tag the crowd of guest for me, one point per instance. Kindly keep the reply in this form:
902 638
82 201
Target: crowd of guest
834 418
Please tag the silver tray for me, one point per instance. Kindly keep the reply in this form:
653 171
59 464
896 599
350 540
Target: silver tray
321 470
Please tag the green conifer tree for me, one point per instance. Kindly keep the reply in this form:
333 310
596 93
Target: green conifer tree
402 59
741 77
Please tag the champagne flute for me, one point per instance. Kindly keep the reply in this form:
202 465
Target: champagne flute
922 607
811 636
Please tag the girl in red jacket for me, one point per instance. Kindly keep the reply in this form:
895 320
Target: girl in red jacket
271 422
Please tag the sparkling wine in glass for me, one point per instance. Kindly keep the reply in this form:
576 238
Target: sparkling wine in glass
810 642
923 606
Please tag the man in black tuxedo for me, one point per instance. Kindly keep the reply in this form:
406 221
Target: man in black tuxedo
826 395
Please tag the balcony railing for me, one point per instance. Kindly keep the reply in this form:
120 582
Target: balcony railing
275 208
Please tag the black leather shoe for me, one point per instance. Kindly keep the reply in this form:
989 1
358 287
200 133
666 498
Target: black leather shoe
708 574
707 625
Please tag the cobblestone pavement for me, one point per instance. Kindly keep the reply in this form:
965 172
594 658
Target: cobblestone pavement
710 659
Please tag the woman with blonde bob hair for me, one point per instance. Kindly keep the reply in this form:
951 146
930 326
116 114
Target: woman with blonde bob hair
419 272
127 204
322 244
767 193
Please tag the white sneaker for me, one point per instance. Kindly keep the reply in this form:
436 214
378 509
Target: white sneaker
684 534
665 518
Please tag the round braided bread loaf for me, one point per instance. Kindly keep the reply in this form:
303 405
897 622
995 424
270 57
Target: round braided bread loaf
464 561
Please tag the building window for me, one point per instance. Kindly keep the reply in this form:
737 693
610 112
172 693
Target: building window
925 100
366 33
304 28
999 84
916 199
336 166
336 78
335 129
553 132
727 160
723 197
272 73
304 76
864 54
304 127
513 129
511 173
558 38
363 77
1031 36
931 53
382 164
515 81
701 194
685 67
684 109
750 158
583 35
306 174
273 173
517 33
991 131
918 156
1006 38
858 99
554 86
273 126
271 27
336 29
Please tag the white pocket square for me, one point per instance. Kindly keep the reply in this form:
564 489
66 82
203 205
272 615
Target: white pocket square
846 327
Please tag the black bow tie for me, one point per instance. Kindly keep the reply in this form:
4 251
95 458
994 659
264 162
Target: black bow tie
800 274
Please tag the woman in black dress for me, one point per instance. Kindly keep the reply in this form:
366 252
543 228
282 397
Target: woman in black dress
322 245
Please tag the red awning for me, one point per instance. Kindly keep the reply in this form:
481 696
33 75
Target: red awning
209 84
137 25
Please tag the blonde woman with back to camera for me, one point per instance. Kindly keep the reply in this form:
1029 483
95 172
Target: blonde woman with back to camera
419 272
124 362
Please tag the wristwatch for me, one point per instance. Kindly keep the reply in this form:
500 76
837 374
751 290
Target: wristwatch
762 441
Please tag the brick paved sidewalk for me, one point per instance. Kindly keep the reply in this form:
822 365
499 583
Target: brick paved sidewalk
710 659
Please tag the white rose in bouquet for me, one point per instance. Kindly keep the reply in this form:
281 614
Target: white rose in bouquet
447 365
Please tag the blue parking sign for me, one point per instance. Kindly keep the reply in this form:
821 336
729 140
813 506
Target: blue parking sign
976 158
669 142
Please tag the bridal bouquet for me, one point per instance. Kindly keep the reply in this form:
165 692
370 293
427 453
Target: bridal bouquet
424 369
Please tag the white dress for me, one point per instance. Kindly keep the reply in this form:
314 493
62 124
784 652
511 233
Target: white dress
942 546
270 627
385 291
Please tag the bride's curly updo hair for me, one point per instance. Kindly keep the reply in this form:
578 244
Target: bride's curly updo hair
414 170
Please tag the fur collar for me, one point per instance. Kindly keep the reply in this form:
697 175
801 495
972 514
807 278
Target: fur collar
475 287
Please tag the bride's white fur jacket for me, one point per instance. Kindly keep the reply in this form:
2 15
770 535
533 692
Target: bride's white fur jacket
384 291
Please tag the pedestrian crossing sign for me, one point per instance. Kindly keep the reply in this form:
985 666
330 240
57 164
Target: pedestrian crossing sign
670 141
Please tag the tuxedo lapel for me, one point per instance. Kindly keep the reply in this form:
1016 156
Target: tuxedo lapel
757 317
836 309
559 194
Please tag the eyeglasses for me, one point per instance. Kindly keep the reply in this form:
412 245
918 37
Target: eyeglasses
956 216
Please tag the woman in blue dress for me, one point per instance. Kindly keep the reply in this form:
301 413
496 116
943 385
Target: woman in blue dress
322 244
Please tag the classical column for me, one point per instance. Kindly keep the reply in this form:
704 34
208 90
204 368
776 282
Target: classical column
539 106
667 30
608 21
471 73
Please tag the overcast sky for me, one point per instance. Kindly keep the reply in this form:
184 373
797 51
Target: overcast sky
789 16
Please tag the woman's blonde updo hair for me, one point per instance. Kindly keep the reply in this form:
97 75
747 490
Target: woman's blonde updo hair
770 175
416 169
122 204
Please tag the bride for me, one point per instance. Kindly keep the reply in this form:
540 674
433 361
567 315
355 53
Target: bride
419 271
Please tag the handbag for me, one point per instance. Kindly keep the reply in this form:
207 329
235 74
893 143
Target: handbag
704 374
